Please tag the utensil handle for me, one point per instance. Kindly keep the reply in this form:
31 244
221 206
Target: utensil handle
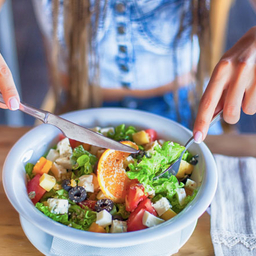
39 114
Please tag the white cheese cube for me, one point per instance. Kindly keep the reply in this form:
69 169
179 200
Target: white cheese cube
64 147
181 195
94 150
86 178
58 170
86 181
64 161
162 205
52 155
190 184
58 206
104 218
106 130
118 226
150 220
47 181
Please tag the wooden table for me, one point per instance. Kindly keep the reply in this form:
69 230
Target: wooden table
14 242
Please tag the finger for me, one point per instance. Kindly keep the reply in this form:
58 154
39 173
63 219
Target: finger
249 101
3 106
235 93
7 86
211 98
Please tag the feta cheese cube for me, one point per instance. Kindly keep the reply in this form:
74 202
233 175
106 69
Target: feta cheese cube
162 205
181 195
104 218
58 171
58 206
52 155
64 147
118 226
86 181
64 161
191 184
47 182
150 220
106 130
86 178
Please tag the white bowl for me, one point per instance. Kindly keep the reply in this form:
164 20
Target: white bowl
163 239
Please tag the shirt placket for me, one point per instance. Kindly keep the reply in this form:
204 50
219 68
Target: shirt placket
125 52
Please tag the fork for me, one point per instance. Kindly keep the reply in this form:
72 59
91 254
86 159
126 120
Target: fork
174 167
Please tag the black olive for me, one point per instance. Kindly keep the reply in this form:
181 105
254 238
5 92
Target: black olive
194 160
77 194
66 184
104 204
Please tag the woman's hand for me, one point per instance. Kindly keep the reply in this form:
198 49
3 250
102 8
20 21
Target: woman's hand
232 86
7 87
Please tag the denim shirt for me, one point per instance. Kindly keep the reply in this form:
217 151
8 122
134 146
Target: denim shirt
139 49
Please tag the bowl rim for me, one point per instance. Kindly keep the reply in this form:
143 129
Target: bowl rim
29 212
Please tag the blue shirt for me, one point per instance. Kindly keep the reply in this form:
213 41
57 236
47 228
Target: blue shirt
139 49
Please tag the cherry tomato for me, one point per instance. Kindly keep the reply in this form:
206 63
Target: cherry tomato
152 134
73 143
134 221
34 187
89 203
134 195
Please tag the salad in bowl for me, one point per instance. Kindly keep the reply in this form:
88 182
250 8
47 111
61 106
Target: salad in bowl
106 191
106 202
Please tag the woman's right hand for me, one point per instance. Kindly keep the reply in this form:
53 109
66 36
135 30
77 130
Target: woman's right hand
7 87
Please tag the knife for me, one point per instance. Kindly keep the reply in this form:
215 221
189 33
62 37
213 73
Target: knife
72 130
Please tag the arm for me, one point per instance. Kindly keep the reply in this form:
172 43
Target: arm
232 86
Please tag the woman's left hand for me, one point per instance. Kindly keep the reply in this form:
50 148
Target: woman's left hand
232 86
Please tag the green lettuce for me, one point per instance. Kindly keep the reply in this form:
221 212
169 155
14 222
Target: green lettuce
148 167
76 217
122 133
83 161
29 168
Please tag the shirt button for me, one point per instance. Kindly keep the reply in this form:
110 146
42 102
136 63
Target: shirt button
124 67
122 48
121 29
120 7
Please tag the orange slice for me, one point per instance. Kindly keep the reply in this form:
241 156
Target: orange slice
111 174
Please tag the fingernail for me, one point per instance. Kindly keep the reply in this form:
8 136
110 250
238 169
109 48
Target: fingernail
13 103
198 137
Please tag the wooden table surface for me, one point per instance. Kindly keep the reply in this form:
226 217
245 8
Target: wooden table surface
14 242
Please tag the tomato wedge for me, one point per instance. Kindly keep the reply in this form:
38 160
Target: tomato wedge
152 134
134 195
34 187
134 221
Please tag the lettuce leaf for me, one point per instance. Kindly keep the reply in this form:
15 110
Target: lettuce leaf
148 167
83 161
29 168
122 133
77 217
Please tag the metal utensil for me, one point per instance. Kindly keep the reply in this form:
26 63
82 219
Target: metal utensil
72 130
174 167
